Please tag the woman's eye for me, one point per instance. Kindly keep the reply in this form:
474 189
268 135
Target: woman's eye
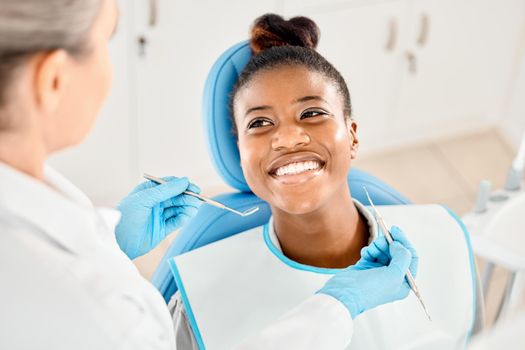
259 123
310 114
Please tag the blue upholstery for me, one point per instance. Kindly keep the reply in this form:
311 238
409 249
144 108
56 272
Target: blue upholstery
212 224
217 123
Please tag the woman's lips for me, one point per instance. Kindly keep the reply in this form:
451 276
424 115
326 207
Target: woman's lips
287 160
298 172
295 168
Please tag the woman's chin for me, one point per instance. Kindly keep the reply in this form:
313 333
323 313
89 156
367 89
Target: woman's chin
297 206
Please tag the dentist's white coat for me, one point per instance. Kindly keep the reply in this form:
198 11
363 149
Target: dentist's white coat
65 284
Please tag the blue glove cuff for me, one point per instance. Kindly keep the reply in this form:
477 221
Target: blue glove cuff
348 302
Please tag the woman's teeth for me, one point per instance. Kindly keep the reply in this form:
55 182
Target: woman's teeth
297 168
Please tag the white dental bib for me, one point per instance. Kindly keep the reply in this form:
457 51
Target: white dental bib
235 287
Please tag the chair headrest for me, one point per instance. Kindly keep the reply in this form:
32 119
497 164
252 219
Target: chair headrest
222 143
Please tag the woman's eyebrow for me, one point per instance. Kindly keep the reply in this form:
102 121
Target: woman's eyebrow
309 98
258 108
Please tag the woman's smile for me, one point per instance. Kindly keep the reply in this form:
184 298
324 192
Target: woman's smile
296 168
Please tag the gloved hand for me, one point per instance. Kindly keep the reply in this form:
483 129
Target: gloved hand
152 211
378 277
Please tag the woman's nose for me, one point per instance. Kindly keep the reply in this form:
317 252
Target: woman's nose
289 137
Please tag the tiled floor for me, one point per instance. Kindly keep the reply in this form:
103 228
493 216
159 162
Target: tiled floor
445 171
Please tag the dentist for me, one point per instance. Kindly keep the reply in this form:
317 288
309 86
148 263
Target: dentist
67 278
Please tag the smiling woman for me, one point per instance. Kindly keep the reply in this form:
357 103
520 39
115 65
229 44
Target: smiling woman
297 139
296 154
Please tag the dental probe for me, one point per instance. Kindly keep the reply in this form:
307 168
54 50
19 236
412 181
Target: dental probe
205 199
388 236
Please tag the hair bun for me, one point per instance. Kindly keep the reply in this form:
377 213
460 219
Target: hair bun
273 30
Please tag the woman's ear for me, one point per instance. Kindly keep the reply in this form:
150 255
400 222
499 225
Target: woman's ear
51 78
351 125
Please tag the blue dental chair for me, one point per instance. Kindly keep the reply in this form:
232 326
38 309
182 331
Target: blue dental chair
212 224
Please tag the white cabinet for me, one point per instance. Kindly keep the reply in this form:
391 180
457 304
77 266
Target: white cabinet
448 90
437 77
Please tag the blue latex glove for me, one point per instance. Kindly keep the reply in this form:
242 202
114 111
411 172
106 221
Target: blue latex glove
378 277
152 211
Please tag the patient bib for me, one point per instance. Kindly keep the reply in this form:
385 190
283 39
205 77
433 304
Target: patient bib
235 287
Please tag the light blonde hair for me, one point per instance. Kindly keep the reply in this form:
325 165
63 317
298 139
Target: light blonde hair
28 27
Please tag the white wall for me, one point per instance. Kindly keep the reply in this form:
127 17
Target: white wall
512 116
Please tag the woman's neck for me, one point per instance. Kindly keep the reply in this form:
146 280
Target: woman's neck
331 237
23 151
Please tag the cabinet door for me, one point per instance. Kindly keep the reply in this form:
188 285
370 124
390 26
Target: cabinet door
355 40
462 52
180 48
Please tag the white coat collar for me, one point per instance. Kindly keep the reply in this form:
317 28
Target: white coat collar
58 208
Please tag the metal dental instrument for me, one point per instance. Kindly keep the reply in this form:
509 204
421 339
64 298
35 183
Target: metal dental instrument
388 236
205 199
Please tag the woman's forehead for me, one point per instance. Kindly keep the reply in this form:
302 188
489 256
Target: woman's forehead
287 84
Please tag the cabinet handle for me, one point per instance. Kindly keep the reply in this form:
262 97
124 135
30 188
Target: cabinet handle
412 62
153 13
142 43
392 35
423 29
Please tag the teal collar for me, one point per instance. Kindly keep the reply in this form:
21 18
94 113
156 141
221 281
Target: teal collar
272 242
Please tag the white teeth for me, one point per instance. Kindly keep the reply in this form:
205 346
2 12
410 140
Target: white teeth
297 168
